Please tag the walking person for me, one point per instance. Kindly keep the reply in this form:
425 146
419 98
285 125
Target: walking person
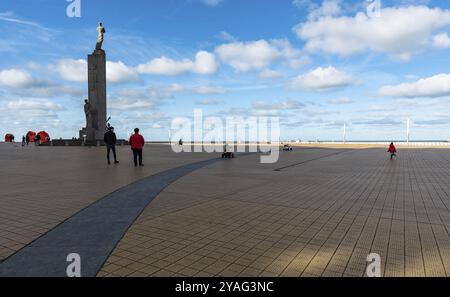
137 143
392 150
23 141
110 141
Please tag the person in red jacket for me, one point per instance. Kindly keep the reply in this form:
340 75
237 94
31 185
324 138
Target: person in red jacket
392 150
137 144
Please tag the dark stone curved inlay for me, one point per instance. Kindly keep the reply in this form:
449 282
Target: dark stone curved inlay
93 232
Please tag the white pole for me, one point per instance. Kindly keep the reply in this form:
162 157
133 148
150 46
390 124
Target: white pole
408 131
345 133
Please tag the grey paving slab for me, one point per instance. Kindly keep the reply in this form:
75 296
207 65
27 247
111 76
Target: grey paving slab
314 213
43 186
93 232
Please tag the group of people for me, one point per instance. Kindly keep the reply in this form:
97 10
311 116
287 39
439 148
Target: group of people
137 143
26 140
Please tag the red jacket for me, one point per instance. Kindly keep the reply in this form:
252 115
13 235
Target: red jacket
392 149
137 141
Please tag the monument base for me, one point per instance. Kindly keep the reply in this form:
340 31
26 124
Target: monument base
91 134
80 142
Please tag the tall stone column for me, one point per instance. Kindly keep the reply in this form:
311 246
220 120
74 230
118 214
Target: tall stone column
97 96
97 91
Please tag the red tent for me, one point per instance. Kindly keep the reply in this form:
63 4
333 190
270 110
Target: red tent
30 136
44 137
9 137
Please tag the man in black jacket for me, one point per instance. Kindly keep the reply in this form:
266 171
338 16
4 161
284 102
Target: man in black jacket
110 140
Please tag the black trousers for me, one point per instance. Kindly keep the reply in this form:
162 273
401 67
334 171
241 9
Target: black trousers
136 154
109 149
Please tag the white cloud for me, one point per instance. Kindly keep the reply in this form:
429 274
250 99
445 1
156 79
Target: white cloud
72 70
266 113
205 64
36 105
284 105
247 56
328 8
142 94
76 71
411 77
165 66
257 55
434 86
153 97
340 101
151 117
138 98
212 2
205 90
209 102
202 90
224 35
386 121
441 40
129 104
322 79
24 85
292 56
269 74
15 78
401 31
304 3
49 90
157 126
316 112
118 72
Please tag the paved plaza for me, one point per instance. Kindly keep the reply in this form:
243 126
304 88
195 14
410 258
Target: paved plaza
316 212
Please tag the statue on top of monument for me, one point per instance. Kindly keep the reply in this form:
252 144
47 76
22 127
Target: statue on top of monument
101 31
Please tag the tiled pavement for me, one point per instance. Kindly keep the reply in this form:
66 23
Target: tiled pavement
320 218
43 186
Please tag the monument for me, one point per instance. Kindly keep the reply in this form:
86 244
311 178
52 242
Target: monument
95 105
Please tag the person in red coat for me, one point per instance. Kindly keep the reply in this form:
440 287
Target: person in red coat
392 150
137 143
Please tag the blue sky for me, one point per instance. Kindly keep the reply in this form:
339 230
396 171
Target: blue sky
315 64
